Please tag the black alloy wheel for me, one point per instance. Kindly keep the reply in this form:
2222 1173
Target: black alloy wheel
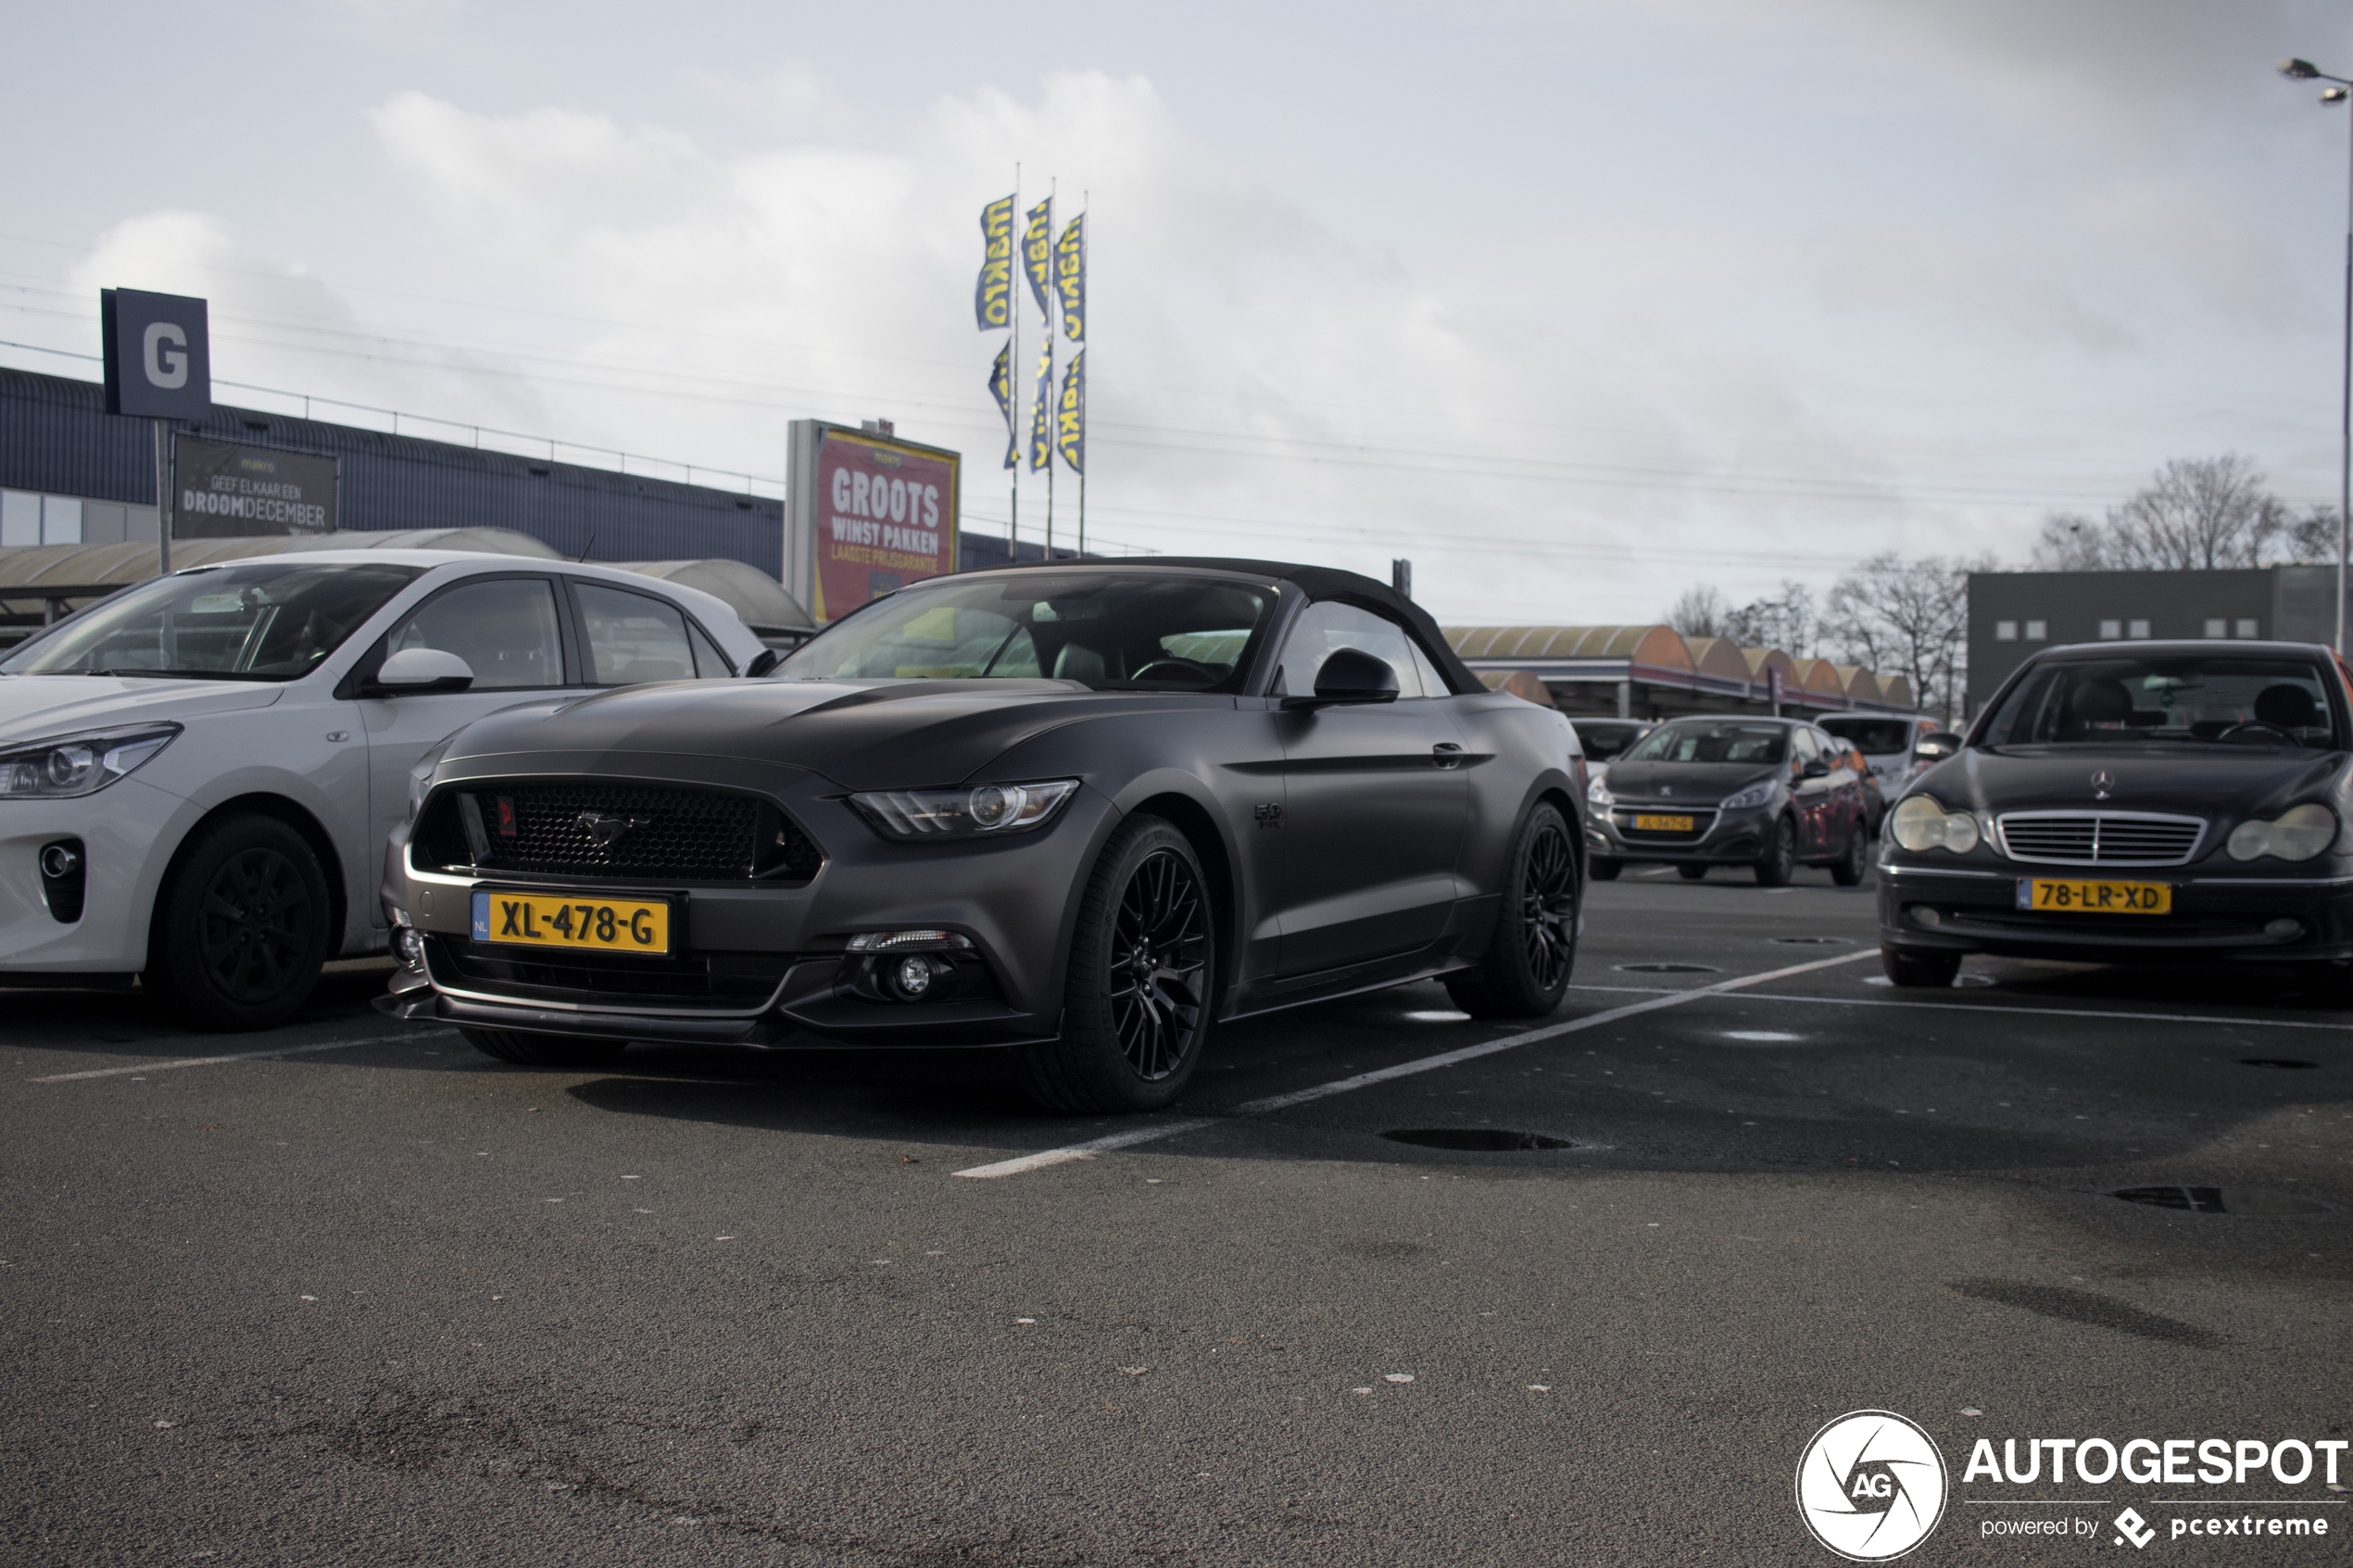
544 1050
243 926
1143 978
1848 868
1525 971
1778 863
1693 873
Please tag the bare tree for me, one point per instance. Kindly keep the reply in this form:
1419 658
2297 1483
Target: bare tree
2194 514
1788 620
2070 542
1701 612
1909 618
2312 538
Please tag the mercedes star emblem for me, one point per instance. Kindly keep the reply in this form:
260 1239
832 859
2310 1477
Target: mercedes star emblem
605 831
2103 785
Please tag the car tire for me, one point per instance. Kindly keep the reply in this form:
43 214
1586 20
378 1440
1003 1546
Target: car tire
1524 973
1778 863
545 1051
1932 970
1848 868
1691 873
1601 868
1144 979
241 927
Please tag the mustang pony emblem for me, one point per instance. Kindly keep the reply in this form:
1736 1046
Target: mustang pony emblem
2103 785
605 831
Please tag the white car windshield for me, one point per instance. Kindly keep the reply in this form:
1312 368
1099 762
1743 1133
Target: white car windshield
256 621
1109 631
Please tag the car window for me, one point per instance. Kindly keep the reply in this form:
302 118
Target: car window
1873 735
633 637
1603 742
256 621
2155 698
1324 628
710 663
504 628
1712 740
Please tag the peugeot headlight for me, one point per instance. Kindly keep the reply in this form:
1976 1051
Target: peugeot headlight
976 812
1920 823
1597 793
57 770
1753 795
2297 834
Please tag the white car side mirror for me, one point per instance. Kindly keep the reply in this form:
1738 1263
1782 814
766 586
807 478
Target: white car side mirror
414 671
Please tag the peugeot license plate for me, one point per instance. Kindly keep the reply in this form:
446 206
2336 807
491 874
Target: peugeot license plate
595 920
2095 898
1650 823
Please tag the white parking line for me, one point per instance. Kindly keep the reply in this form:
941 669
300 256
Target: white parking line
235 1056
1402 1070
2056 1012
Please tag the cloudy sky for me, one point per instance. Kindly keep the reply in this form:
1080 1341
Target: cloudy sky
1572 304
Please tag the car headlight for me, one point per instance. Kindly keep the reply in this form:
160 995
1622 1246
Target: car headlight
1920 823
973 812
1753 795
57 770
1597 793
2297 834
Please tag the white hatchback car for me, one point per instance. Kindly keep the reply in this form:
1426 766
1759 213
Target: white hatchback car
199 774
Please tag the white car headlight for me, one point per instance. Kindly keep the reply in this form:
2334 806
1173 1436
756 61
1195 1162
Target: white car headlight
1753 795
2297 834
964 813
1597 793
1920 823
71 765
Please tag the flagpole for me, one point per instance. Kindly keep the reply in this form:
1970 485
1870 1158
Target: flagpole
1013 368
1086 205
1053 293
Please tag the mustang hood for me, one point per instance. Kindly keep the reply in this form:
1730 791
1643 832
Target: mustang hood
862 734
2221 782
37 706
1686 784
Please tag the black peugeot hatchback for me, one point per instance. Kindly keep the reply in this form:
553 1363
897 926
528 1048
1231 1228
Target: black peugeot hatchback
2152 802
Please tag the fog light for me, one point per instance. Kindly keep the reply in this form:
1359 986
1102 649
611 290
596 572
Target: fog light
2284 929
912 978
408 946
1927 917
63 878
59 861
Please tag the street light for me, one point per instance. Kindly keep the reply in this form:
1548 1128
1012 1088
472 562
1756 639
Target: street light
2336 93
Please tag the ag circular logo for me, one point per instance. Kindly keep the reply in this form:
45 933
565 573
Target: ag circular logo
1871 1486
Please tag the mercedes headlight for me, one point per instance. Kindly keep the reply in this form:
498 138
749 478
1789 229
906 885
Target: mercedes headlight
1920 823
1597 793
980 811
57 770
2297 834
1753 795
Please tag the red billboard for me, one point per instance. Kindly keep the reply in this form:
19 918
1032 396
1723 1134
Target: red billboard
881 513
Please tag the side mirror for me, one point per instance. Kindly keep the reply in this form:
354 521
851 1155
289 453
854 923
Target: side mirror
1935 747
1817 769
763 662
421 672
1349 675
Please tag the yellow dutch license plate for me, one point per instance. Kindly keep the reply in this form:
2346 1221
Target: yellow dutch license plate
589 920
2095 898
1647 822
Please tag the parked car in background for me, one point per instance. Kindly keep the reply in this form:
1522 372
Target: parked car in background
1898 747
1604 739
2149 803
1081 813
199 774
1874 802
1711 790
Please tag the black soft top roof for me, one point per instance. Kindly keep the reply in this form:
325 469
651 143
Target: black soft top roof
1316 582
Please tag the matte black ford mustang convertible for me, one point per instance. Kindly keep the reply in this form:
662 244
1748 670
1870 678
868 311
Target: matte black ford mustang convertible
1079 810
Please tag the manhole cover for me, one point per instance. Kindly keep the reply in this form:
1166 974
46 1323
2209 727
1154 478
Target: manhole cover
1480 1140
1816 941
1669 969
2219 1200
2281 1062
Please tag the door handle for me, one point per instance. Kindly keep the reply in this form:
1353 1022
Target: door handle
1446 754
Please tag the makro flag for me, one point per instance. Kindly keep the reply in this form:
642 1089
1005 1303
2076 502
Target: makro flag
1041 445
1070 279
1070 418
1037 253
1000 387
993 295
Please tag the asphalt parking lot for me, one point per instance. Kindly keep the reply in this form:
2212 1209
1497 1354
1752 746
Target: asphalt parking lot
372 1297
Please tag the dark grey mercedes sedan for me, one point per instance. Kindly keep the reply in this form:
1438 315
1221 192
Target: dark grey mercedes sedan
1080 811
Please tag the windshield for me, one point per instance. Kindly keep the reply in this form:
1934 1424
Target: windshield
1879 735
257 621
2277 702
1711 740
1111 631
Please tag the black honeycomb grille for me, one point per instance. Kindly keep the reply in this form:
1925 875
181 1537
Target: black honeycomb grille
665 832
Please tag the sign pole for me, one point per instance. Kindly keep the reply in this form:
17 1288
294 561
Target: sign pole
163 498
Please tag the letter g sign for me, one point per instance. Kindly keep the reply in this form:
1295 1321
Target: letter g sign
159 359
